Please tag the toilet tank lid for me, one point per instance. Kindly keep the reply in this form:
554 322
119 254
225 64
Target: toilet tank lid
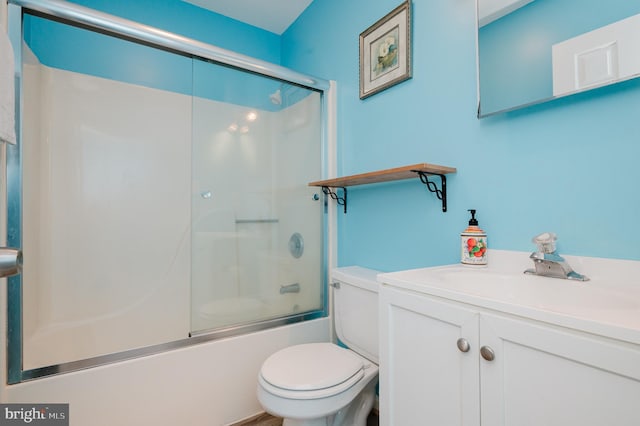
358 276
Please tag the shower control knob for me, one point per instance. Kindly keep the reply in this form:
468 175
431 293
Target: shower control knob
463 345
296 245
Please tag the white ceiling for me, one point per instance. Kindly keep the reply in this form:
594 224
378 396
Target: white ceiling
271 15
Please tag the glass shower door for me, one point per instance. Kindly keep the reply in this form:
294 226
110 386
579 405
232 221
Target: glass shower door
155 197
105 229
257 226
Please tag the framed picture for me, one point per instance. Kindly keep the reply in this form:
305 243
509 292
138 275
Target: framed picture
385 51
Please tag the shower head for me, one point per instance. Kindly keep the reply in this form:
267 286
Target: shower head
276 97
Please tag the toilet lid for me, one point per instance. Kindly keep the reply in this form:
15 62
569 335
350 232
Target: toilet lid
311 366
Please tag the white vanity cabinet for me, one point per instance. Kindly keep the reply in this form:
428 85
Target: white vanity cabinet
424 378
432 369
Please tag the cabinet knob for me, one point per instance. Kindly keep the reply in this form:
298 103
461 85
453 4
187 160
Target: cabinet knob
463 345
487 353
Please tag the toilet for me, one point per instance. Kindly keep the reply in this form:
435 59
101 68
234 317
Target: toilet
324 384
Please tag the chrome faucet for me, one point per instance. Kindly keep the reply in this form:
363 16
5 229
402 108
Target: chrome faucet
548 263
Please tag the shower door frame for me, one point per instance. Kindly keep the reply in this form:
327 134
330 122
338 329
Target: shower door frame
90 19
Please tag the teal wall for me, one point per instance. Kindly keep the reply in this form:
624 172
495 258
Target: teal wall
79 50
183 18
569 166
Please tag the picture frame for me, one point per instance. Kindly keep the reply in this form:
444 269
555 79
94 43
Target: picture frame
385 51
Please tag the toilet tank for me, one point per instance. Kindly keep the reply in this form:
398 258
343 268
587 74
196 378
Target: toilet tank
355 302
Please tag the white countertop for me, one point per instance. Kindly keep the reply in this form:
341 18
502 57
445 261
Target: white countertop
607 305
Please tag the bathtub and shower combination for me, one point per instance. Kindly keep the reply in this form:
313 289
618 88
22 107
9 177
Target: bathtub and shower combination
159 195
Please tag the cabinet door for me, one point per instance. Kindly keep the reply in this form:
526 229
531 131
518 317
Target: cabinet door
544 375
424 378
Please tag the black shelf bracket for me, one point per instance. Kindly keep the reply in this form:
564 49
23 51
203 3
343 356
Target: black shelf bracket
341 200
432 187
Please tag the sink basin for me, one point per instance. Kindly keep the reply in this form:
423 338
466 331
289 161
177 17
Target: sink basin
543 292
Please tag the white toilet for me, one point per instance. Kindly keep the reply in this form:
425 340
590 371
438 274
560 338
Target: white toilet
323 384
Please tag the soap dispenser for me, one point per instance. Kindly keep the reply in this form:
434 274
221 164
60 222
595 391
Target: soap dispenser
473 243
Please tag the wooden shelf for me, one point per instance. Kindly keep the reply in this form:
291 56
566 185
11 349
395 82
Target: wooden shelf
422 170
388 175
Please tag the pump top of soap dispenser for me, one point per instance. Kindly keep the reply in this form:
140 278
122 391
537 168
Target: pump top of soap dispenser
473 221
473 224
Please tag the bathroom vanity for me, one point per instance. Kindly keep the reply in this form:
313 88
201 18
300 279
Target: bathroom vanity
469 346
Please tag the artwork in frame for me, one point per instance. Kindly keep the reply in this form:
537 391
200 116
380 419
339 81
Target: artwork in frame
385 51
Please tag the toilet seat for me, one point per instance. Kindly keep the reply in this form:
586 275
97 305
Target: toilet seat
310 371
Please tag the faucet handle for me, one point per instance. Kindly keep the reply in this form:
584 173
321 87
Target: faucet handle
546 242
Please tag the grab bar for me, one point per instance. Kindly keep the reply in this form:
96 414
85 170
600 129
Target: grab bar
257 220
291 288
10 261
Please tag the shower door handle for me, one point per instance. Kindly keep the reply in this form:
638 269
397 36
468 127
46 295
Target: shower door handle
10 261
291 288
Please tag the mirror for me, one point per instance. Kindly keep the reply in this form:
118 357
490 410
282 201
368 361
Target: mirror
532 51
